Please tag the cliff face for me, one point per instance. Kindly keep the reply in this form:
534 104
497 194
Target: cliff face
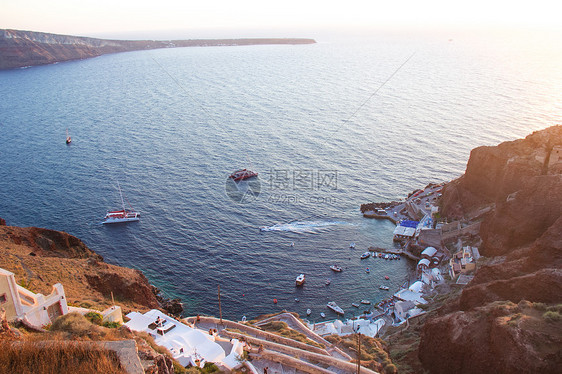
508 318
39 258
521 179
28 48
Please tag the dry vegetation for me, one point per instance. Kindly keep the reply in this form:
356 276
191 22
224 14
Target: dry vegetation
68 347
374 353
281 328
56 357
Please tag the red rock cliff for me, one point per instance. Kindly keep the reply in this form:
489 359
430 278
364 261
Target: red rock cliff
40 258
507 319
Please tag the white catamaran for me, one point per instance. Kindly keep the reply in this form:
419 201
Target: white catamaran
123 215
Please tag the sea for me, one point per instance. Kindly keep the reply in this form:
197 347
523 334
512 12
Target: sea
327 127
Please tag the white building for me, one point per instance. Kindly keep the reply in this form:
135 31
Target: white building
189 346
35 309
423 264
350 326
429 252
402 232
413 293
401 309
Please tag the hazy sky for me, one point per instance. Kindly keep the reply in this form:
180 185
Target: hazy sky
120 17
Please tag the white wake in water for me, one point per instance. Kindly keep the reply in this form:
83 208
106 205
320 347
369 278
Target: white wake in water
303 226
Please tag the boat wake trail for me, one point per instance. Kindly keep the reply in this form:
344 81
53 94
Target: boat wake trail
304 226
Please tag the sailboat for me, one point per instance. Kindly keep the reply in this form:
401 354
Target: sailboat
123 215
68 138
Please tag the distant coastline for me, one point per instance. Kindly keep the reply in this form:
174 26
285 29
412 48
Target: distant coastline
29 48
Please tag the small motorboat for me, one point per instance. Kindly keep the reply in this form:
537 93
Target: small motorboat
386 257
382 287
297 300
299 281
365 255
364 301
242 174
68 138
367 270
355 305
333 306
323 315
352 245
308 312
386 277
328 282
336 268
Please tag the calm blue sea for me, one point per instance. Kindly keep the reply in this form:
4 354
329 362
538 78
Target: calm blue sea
170 125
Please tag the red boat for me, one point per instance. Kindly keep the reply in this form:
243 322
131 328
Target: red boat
242 174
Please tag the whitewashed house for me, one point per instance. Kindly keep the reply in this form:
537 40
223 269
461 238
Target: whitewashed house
35 309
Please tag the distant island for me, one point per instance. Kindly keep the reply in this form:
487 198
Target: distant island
29 48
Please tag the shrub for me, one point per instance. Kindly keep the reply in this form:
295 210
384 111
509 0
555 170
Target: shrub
111 325
178 369
539 306
94 317
210 368
555 308
73 323
390 369
552 316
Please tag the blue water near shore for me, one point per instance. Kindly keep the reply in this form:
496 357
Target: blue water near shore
170 125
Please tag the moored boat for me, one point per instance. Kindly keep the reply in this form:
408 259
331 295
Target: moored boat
382 287
364 301
299 281
333 306
355 305
328 282
308 312
336 268
123 215
323 315
365 255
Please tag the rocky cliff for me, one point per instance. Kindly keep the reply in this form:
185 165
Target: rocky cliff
28 48
509 317
39 258
521 180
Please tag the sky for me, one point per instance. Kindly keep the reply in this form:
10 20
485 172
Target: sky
247 18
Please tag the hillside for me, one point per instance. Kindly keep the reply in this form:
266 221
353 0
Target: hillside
39 258
508 318
28 48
